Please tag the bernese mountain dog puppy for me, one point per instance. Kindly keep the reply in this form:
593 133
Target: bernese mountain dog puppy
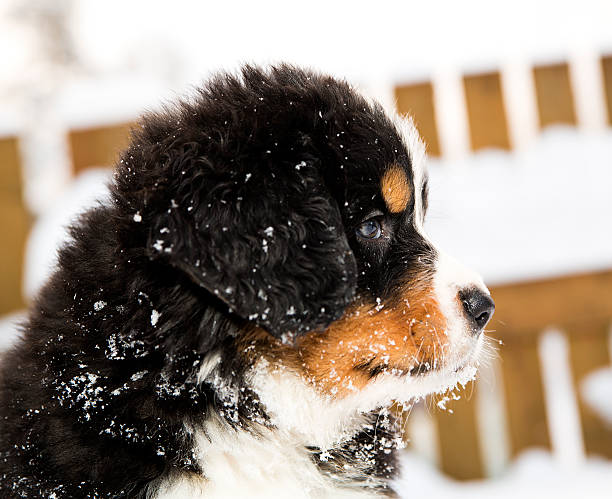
235 321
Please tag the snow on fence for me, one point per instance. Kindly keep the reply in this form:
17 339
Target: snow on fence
518 411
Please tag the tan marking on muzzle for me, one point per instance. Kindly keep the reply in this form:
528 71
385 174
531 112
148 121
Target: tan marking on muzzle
370 339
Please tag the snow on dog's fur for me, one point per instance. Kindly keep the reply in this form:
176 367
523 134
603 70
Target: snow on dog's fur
237 318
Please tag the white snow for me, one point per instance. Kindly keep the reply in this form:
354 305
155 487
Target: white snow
363 41
544 212
49 232
354 38
562 416
9 330
534 474
155 315
93 102
596 390
99 305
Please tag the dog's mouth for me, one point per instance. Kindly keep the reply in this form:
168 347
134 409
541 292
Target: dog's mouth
419 368
372 369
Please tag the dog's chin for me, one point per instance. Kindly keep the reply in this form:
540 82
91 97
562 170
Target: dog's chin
469 356
456 371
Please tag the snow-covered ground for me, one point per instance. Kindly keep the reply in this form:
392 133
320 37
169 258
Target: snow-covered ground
533 475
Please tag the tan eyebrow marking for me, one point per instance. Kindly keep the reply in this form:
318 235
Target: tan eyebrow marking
395 189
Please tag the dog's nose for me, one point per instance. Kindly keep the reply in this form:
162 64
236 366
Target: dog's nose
478 306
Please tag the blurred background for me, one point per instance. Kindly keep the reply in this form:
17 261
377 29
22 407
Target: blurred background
514 100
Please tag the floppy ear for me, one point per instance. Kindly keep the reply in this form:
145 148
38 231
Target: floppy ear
270 243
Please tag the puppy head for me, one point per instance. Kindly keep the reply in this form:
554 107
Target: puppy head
418 314
299 205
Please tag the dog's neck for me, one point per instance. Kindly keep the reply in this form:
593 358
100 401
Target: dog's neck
270 431
269 462
295 406
296 440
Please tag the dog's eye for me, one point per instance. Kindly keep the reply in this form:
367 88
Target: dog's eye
370 229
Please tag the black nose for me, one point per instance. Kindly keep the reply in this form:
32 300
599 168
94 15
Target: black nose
478 306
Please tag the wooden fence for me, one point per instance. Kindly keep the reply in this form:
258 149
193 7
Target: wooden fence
579 306
486 107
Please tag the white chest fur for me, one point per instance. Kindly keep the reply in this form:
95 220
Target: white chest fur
241 464
276 462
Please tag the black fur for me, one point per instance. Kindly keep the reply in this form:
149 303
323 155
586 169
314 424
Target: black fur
234 208
368 458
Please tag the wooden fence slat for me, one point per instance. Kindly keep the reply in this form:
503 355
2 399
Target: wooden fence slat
606 66
554 95
15 223
486 111
589 352
524 394
97 146
459 450
10 172
417 100
563 301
